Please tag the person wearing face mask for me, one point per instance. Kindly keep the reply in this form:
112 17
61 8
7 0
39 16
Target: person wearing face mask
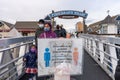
30 59
48 33
40 29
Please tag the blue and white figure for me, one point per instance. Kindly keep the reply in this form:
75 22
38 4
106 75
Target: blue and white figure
47 57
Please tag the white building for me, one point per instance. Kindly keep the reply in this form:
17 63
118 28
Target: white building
5 27
108 26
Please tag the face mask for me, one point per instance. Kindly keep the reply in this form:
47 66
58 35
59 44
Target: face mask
46 29
33 50
41 25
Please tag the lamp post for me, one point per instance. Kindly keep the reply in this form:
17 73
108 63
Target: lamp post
53 21
84 25
2 25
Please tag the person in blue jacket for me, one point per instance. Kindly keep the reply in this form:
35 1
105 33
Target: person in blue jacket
47 57
30 59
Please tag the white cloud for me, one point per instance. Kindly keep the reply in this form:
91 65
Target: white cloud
36 9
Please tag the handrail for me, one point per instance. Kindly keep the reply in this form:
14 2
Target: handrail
1 50
16 62
104 43
112 40
9 41
95 46
15 73
107 54
2 74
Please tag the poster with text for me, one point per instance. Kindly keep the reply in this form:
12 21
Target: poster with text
54 52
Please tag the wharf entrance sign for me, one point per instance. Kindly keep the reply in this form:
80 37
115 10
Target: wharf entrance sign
68 14
54 52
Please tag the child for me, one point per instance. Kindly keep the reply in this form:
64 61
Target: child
30 59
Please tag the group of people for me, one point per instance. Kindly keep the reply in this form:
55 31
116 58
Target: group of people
60 31
44 31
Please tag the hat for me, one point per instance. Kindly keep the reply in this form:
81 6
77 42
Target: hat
41 21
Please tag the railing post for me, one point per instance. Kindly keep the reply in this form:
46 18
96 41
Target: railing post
94 48
89 43
21 53
101 53
91 46
114 55
97 51
85 42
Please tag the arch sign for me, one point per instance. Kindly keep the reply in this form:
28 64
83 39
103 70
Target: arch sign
68 14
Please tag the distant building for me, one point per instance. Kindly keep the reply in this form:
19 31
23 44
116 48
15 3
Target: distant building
5 27
26 28
110 26
79 27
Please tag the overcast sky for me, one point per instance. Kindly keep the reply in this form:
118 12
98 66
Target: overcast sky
33 10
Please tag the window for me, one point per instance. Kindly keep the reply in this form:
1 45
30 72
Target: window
104 29
118 28
118 31
24 34
118 18
118 51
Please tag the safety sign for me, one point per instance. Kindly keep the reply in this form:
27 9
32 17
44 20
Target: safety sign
53 52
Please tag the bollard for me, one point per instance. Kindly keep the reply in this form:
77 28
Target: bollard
62 72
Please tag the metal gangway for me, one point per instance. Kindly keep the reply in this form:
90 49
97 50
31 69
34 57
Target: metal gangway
100 57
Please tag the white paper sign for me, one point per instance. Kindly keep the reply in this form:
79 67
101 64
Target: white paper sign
53 52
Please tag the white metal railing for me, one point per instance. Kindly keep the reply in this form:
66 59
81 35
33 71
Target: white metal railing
103 51
12 68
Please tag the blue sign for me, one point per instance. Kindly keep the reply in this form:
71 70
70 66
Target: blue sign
68 13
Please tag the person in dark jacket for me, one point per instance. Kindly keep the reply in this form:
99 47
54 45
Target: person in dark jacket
62 31
30 59
57 31
39 30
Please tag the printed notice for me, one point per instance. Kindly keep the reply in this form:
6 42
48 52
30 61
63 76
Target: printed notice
53 52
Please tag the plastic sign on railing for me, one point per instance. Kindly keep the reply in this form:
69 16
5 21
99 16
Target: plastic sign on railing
53 52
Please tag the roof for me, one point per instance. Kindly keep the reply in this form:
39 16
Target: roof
8 24
26 24
96 23
95 26
118 18
47 18
108 19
